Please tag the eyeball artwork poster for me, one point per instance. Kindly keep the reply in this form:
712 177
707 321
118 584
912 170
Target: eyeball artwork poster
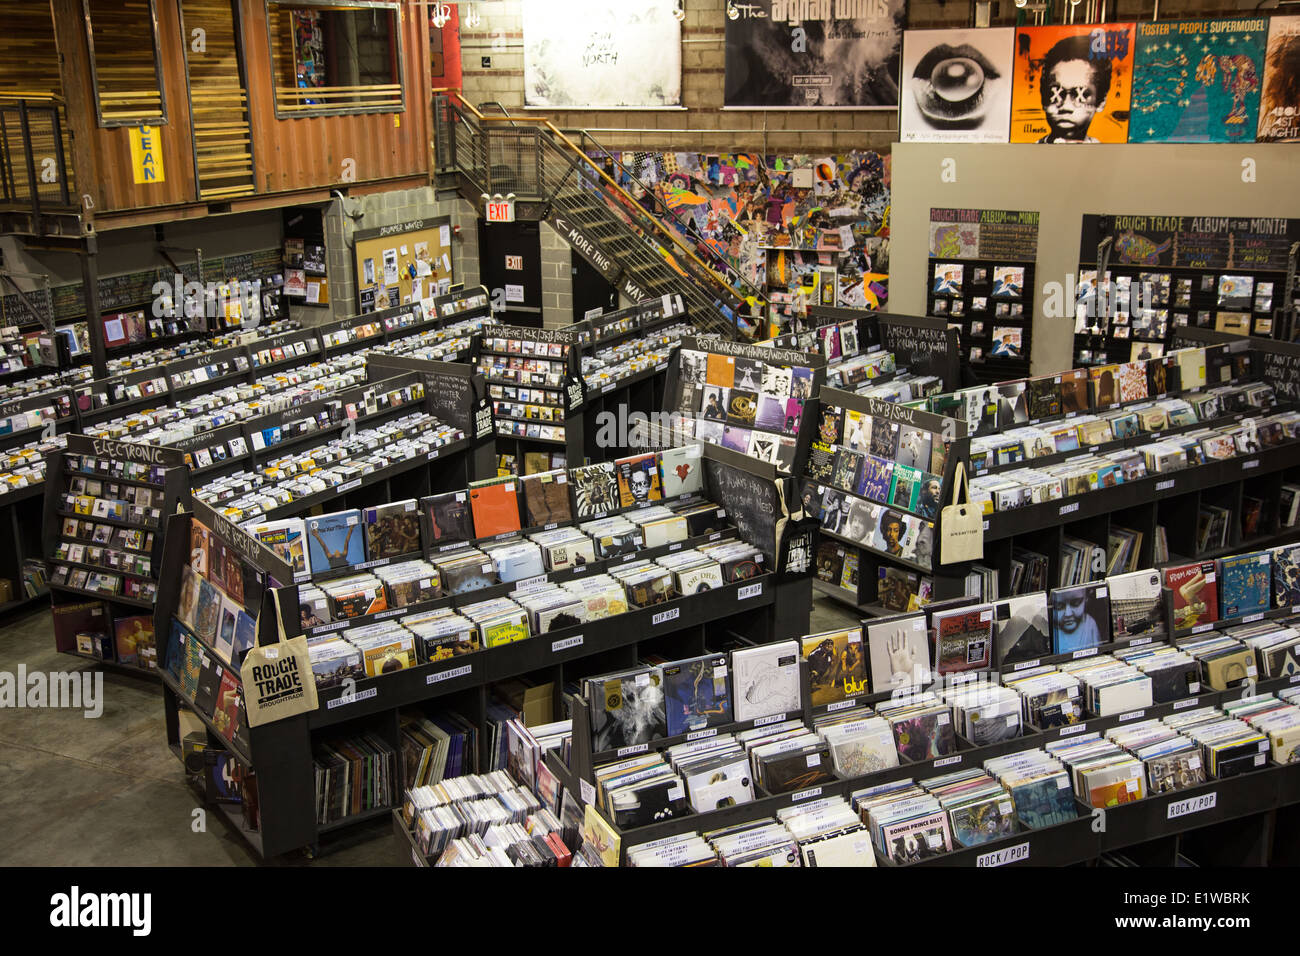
956 86
1072 84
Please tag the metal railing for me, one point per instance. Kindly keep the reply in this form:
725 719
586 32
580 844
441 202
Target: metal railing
530 157
33 162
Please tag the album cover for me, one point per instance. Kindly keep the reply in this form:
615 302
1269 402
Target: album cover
626 710
821 463
1286 576
681 471
1072 83
766 680
696 694
1244 584
980 821
335 541
1023 633
847 466
876 480
287 538
1136 609
546 498
449 518
963 639
1080 618
796 770
906 490
831 426
392 530
925 736
207 613
914 447
837 665
638 479
1195 589
899 650
595 489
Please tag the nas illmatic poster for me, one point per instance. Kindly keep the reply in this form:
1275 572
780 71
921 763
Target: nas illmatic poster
823 54
1072 84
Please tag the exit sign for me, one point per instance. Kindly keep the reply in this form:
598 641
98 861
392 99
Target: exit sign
503 211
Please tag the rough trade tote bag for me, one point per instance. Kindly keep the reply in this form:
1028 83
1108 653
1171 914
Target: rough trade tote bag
961 524
277 678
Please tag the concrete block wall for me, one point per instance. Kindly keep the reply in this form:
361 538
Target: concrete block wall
557 279
386 209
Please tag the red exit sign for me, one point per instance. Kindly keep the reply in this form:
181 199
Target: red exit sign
503 211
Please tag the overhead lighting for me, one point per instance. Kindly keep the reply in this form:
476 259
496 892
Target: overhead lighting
472 18
733 12
440 14
679 11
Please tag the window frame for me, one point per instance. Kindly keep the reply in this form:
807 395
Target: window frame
157 69
392 6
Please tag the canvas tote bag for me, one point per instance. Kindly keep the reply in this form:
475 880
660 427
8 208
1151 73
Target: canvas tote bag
961 524
277 678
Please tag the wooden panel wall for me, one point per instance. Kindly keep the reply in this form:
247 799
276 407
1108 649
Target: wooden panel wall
304 153
104 154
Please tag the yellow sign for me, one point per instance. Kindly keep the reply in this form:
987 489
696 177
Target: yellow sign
146 154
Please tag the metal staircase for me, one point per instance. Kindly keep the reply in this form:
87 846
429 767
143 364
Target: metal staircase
528 156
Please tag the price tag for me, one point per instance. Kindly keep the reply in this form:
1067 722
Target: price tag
588 792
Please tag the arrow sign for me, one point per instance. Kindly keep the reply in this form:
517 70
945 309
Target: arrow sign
572 233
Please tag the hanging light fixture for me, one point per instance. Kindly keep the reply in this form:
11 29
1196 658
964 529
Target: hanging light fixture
439 15
472 18
679 10
733 12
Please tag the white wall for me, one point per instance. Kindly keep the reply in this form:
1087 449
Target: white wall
1063 183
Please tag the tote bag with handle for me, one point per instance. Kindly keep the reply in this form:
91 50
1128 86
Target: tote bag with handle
961 524
277 678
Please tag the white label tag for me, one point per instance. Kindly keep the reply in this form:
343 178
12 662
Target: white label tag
449 674
348 486
947 761
566 643
634 749
1072 729
1025 665
1164 485
588 792
669 615
701 734
1181 808
352 698
770 719
1086 652
1012 854
1185 704
806 794
749 591
1069 509
1132 715
841 705
1252 618
814 760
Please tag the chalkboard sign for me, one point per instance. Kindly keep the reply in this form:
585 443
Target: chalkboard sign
125 451
924 346
750 493
60 400
454 392
769 355
1251 244
1279 365
560 336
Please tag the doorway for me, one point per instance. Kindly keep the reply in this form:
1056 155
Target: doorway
591 291
510 265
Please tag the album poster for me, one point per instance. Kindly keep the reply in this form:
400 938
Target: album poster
1197 81
584 54
1072 84
1279 107
837 54
956 86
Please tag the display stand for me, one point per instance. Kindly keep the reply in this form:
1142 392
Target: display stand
854 536
118 547
509 360
274 813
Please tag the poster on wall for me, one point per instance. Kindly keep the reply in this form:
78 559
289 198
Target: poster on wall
584 54
1197 81
1279 109
1072 84
956 86
787 54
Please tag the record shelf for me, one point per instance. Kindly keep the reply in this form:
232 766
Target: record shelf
167 488
771 606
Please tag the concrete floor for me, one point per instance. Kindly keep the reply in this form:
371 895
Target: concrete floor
108 791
